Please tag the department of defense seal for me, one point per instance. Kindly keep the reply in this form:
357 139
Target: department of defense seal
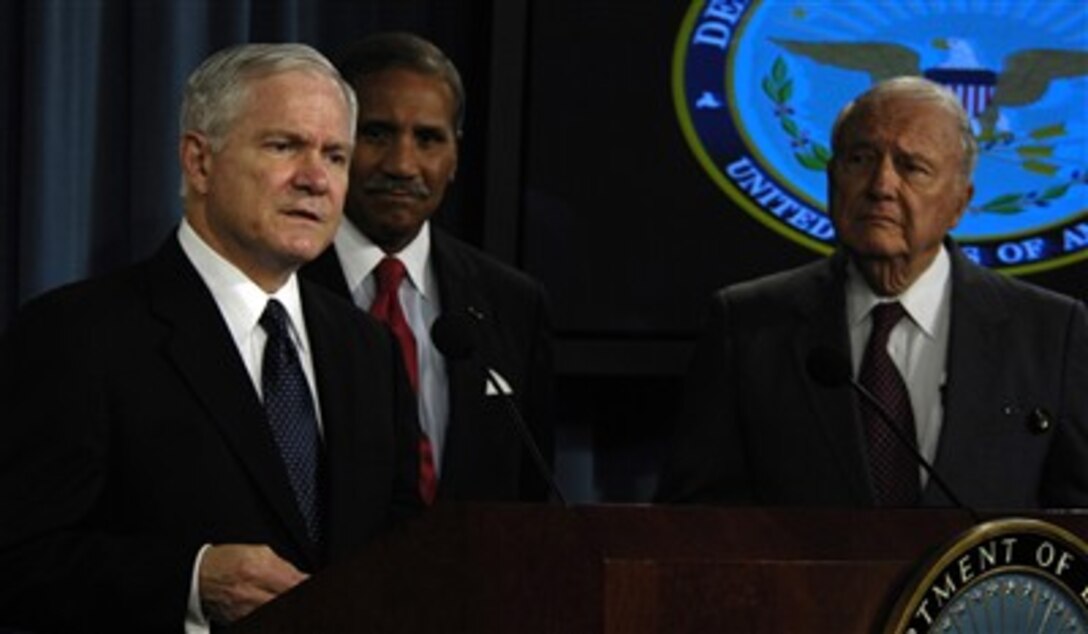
757 85
1011 575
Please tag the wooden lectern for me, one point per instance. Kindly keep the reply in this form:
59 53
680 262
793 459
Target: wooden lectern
626 569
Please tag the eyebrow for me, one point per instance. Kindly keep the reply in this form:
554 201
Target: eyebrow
388 123
302 139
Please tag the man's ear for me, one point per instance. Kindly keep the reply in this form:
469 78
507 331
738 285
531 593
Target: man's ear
829 176
968 194
195 153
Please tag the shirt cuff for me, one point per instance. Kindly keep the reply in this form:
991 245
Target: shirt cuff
195 621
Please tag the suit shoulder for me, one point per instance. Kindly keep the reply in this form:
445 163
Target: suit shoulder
487 264
89 300
1018 296
1026 291
335 309
792 287
463 259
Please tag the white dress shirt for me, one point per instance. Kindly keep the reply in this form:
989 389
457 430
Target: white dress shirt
419 299
918 345
241 303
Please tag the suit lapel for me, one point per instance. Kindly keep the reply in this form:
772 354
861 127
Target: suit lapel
835 408
344 425
202 350
978 320
456 284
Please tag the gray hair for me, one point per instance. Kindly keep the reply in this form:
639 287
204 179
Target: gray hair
215 91
919 89
385 51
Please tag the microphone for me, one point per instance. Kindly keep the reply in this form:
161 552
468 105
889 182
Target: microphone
456 337
830 368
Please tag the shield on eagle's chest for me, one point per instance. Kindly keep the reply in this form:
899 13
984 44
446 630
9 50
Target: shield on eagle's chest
974 87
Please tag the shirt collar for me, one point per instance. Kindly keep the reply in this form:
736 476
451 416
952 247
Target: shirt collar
922 300
359 256
240 300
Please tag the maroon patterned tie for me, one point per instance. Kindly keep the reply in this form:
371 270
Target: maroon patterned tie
387 309
893 468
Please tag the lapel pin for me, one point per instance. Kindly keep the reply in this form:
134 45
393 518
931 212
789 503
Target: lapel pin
1039 421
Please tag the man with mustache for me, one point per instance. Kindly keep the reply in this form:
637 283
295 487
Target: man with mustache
190 437
392 261
985 375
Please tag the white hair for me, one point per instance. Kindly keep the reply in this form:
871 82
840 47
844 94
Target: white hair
919 89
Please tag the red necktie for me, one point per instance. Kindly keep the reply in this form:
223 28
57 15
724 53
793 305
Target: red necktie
894 470
387 309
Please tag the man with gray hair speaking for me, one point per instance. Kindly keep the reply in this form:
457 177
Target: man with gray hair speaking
190 437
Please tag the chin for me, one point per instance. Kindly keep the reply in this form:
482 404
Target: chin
876 245
392 210
302 251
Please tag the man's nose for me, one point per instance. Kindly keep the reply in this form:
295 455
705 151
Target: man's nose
884 178
312 174
400 158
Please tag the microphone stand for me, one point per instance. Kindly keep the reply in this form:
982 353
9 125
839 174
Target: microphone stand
886 420
526 438
829 367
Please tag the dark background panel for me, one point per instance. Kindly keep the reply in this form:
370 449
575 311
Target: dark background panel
620 222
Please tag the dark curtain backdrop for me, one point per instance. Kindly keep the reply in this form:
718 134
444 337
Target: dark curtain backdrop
91 88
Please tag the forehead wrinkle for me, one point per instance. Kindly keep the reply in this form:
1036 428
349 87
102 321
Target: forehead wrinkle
395 94
903 136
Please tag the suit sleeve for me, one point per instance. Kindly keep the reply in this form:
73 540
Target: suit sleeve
59 566
706 462
1065 481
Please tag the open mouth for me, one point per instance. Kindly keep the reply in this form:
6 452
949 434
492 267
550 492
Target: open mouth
303 214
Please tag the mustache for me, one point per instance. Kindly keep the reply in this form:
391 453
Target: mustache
382 184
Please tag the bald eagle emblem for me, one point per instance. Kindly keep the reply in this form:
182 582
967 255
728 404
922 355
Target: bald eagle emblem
1023 79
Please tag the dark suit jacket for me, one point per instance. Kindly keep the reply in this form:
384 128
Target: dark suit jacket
484 458
755 429
132 435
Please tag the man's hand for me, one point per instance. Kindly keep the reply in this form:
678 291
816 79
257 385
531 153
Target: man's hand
236 579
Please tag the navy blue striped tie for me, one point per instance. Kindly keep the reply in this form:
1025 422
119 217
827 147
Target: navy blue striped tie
290 411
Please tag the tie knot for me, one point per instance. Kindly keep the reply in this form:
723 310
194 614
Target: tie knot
389 274
886 316
274 319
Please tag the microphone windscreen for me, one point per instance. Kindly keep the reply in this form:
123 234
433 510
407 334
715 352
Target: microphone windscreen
454 334
828 367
